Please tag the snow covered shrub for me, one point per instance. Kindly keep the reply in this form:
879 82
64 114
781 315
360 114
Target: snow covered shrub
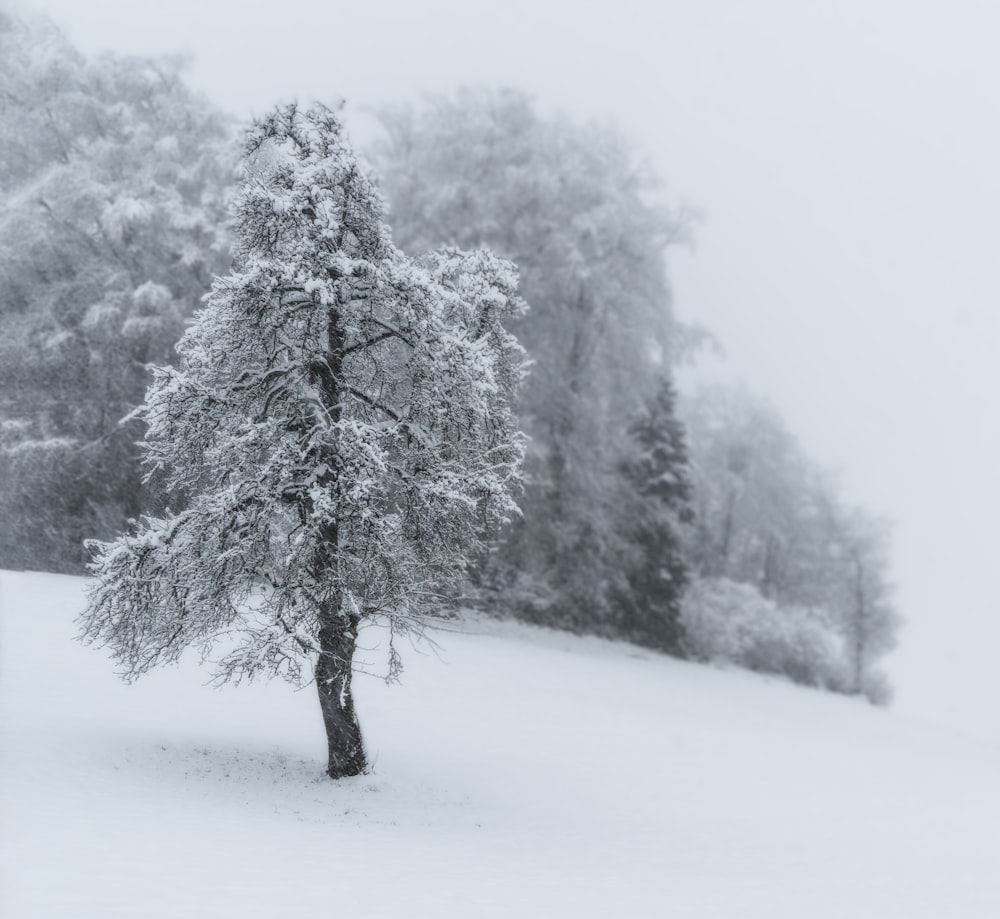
726 621
875 687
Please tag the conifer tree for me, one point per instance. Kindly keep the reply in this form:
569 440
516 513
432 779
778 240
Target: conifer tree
338 437
660 476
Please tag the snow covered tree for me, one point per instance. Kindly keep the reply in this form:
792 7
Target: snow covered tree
861 596
756 496
338 437
660 514
112 224
769 517
577 211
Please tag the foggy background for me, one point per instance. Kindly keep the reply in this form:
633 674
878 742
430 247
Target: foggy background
843 158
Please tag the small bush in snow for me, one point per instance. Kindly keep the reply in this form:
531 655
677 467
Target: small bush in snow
875 687
724 621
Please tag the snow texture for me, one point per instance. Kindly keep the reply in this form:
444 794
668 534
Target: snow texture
602 781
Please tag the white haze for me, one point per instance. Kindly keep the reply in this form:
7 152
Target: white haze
844 157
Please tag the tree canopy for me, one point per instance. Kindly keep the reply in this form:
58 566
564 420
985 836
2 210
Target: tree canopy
338 438
768 517
580 214
112 223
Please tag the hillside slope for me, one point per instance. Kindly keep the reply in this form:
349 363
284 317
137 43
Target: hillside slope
518 773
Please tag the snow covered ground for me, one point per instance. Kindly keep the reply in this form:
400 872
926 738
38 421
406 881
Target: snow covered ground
521 773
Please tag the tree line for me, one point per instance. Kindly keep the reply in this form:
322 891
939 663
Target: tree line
691 523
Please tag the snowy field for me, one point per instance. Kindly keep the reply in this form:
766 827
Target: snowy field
521 773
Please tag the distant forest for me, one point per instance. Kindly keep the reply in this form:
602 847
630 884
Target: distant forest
690 523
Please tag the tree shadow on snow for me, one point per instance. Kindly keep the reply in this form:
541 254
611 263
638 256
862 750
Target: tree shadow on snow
261 778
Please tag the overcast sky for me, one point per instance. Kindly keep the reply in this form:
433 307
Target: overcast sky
846 158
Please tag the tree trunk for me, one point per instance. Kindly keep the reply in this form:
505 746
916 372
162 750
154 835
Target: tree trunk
338 634
345 748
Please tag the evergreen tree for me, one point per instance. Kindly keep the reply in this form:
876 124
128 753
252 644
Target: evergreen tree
338 437
660 476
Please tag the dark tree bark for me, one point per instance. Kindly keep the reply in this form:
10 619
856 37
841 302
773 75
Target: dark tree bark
345 747
338 633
